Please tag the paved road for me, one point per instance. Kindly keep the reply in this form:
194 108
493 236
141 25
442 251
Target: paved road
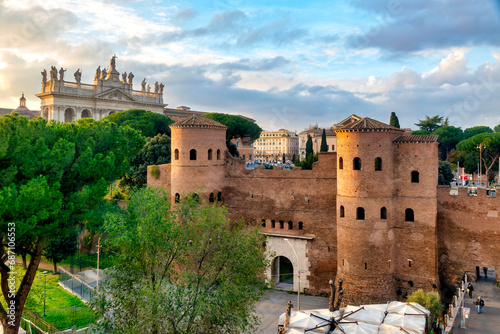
488 322
275 302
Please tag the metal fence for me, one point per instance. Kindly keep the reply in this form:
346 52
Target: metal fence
77 285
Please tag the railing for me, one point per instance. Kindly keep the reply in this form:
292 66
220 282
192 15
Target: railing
77 286
34 324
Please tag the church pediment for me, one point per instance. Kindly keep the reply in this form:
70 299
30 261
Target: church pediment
115 94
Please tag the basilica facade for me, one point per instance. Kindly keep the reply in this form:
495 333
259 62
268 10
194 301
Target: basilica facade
66 101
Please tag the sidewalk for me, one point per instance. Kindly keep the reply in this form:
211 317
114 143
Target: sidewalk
489 320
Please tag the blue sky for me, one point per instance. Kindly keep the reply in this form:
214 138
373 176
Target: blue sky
286 64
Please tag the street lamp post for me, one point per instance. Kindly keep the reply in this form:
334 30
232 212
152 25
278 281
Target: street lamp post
98 251
298 267
45 291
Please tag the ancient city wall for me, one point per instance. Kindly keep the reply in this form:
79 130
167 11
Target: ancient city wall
304 198
468 232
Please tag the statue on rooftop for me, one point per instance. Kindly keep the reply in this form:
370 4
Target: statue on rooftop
61 74
124 77
143 85
130 78
157 88
44 75
112 63
104 74
53 73
78 76
161 88
98 73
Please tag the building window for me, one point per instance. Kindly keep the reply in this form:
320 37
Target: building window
210 154
342 211
333 147
301 226
409 215
366 265
378 164
341 163
211 198
243 157
196 198
356 163
282 224
415 176
192 154
176 154
383 213
177 198
218 154
273 224
250 157
290 225
219 197
360 214
263 223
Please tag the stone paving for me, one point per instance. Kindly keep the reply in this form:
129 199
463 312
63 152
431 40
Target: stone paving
275 302
488 322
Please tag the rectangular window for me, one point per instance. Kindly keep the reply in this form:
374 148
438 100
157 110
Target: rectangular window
243 157
333 147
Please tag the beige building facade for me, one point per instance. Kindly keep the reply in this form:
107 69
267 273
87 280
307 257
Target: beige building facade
316 132
66 101
271 145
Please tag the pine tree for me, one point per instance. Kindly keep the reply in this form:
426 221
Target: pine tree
394 120
324 145
309 146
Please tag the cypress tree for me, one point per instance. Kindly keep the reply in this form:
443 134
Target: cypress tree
324 145
394 120
284 159
309 146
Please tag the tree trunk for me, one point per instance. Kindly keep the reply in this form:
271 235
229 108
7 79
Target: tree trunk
11 325
55 267
24 261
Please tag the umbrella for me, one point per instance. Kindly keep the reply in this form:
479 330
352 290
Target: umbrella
364 313
356 328
407 308
413 323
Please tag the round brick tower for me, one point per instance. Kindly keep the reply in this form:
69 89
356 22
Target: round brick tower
365 209
198 156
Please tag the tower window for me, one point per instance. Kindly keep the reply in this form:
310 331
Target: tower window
263 223
176 154
290 225
342 211
218 154
366 265
378 164
301 226
409 215
415 176
177 198
356 163
219 197
360 214
210 154
273 224
341 163
383 213
192 154
282 224
211 198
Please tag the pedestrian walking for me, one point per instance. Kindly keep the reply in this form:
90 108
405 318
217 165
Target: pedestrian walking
470 288
480 304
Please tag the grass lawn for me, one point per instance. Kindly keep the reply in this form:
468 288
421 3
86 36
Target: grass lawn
62 309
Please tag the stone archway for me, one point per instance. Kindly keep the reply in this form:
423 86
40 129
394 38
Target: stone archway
86 114
69 115
282 273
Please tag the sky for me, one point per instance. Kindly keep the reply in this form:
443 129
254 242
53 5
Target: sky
286 64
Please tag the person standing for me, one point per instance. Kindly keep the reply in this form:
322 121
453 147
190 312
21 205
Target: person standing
480 305
470 288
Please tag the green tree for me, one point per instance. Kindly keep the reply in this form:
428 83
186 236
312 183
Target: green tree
475 130
497 128
449 137
487 145
237 126
420 132
308 162
51 176
324 145
155 152
429 123
445 173
284 158
147 122
309 146
394 121
430 300
60 248
193 270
